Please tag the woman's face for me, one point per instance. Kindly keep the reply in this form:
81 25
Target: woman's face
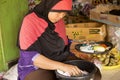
55 16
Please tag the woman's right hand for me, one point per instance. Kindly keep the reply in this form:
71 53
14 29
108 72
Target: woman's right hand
72 70
48 64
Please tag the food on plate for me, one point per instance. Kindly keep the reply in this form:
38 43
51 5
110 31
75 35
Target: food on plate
92 48
87 48
99 48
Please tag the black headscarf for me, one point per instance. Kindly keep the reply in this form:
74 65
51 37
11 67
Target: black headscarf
43 8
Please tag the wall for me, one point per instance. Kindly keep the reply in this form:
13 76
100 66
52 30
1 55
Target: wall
11 15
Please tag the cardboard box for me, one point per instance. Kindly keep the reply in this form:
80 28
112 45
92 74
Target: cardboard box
113 18
101 15
86 31
105 17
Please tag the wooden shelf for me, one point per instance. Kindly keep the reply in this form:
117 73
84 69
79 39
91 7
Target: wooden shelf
107 22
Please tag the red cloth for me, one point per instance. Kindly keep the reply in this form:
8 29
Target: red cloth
63 5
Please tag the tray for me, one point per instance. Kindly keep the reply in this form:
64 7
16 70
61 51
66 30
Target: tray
108 44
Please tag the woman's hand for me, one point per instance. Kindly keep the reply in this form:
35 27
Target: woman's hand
48 64
70 69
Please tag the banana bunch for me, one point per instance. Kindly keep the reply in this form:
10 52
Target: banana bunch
111 58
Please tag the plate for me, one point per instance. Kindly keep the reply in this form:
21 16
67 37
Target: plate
90 48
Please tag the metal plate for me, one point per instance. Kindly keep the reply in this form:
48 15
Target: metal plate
108 44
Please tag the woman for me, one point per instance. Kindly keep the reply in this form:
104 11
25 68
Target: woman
43 43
